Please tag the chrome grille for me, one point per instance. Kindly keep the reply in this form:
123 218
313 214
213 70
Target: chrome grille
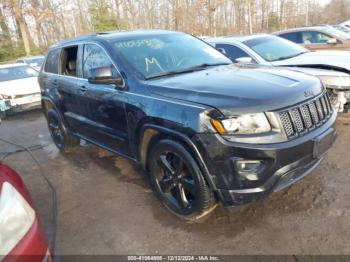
301 119
305 112
296 117
287 123
319 109
314 114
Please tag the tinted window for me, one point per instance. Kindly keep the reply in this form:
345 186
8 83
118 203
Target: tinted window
160 54
51 65
18 72
232 52
294 37
273 48
95 57
313 37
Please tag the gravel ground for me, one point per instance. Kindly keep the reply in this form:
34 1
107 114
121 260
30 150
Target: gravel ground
105 205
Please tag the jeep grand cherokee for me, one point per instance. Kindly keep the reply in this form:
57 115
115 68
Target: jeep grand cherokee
204 129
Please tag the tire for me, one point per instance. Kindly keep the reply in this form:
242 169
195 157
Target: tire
178 181
60 134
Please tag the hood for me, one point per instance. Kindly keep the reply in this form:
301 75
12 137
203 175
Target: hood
236 90
316 71
24 86
337 59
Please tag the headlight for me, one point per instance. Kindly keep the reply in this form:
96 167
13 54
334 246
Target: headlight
16 218
5 97
336 82
243 125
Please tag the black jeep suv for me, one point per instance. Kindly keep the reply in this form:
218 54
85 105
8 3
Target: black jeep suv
204 130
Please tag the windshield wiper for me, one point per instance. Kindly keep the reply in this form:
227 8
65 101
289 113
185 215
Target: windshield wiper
186 70
289 56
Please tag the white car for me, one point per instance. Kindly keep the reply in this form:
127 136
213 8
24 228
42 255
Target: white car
34 61
19 88
346 23
332 67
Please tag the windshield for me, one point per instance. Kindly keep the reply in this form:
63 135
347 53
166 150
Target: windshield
18 72
163 54
273 48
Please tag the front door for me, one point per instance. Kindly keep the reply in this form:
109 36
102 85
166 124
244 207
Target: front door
105 111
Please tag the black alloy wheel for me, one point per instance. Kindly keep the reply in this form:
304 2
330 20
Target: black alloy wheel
56 131
178 181
59 133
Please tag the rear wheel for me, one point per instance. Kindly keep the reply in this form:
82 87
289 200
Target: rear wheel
178 181
59 133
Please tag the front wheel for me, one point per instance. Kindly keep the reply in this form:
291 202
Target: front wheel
178 181
59 133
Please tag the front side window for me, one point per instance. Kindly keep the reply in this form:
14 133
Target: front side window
166 53
313 37
51 65
272 48
95 57
232 52
18 72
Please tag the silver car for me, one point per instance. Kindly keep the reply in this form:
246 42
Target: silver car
332 67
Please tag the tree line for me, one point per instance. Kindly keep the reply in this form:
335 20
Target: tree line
28 27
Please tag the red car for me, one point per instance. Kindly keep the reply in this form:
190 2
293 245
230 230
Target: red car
21 235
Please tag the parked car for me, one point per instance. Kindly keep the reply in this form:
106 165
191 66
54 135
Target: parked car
317 37
332 67
346 23
19 88
34 61
21 233
204 129
343 28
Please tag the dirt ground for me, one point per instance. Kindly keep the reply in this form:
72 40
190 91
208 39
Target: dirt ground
105 205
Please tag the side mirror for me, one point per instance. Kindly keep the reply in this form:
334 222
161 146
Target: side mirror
104 75
221 50
244 60
332 41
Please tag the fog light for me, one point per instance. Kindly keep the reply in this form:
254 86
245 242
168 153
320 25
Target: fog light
248 169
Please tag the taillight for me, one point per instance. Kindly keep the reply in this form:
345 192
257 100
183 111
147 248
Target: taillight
16 218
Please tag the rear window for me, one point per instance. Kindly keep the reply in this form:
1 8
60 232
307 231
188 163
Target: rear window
51 65
18 72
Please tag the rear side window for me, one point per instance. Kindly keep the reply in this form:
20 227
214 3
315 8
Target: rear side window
294 37
51 65
313 37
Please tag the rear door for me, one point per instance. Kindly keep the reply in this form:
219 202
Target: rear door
105 109
69 83
48 77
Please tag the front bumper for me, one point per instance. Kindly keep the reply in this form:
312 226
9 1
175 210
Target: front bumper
21 103
283 164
